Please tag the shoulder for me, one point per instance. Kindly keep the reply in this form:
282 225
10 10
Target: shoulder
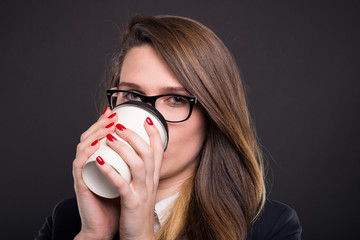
276 221
64 223
66 207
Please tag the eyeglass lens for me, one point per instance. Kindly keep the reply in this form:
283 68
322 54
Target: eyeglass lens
172 107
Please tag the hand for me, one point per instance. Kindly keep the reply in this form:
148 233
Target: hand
99 216
137 197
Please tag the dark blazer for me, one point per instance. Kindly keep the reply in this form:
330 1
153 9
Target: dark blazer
277 221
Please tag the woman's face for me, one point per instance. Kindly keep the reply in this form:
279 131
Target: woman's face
145 72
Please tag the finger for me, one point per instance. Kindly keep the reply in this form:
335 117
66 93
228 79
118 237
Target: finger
107 118
98 131
156 145
82 155
88 146
131 158
90 143
140 146
114 177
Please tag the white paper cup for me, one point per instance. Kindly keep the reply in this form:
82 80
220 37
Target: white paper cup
132 115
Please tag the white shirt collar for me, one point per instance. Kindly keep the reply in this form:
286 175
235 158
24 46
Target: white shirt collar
163 207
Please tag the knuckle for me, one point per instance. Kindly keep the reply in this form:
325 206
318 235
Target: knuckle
83 136
148 152
79 148
79 145
102 132
107 170
137 166
87 152
120 186
82 149
130 135
76 164
153 131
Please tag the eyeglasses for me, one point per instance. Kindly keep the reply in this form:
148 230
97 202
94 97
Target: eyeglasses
174 107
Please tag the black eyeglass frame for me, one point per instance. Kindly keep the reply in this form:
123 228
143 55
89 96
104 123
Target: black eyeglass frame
152 99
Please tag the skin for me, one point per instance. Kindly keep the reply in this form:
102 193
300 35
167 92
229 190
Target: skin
156 175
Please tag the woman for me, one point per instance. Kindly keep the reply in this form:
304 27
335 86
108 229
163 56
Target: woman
209 183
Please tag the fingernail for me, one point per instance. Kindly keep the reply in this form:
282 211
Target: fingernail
95 142
100 160
149 121
105 111
111 137
110 125
120 127
112 115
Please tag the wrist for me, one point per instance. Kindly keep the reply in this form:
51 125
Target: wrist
150 237
143 237
91 236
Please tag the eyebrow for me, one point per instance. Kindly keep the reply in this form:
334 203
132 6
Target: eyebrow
129 85
164 89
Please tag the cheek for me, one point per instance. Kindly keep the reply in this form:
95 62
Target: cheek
186 140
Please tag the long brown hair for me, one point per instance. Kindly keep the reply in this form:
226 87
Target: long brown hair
227 190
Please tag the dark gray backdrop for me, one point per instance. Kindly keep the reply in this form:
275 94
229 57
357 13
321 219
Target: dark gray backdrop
299 60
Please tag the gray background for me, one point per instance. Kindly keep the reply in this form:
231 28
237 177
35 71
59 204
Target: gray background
299 60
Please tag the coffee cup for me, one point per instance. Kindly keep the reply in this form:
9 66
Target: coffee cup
132 115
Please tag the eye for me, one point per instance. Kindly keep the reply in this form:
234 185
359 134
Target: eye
176 100
130 96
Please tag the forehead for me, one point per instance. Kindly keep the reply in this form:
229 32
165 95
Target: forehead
145 68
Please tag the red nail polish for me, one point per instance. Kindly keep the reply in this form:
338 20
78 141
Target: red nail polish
112 115
149 121
111 137
95 142
120 127
105 111
100 160
110 125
